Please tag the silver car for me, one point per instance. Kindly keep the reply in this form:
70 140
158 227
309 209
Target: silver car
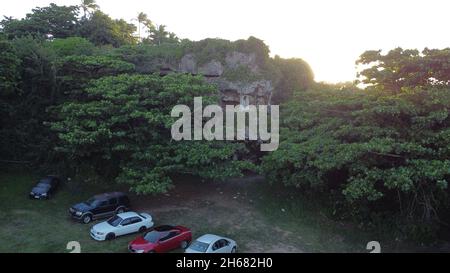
212 244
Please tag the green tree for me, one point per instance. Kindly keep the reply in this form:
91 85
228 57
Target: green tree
9 91
120 129
101 29
369 152
9 69
88 7
24 137
401 68
295 75
71 46
58 21
159 35
75 72
143 20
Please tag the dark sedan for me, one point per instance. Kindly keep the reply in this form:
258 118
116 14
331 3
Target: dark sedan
45 188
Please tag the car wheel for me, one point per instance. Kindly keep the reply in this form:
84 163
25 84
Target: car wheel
110 236
120 210
142 229
184 244
233 250
87 219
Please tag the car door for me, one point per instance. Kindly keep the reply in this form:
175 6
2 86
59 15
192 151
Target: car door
100 208
136 223
53 185
225 246
125 227
163 242
112 204
220 246
215 247
170 241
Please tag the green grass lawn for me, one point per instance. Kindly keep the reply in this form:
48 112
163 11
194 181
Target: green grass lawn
44 226
251 214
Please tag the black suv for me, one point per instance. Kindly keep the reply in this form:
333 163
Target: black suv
100 206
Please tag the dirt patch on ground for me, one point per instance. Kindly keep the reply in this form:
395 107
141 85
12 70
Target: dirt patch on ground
222 208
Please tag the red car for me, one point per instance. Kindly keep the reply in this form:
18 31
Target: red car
161 239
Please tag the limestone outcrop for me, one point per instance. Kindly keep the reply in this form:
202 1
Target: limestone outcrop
237 76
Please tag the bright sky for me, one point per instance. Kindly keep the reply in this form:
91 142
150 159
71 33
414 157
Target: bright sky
328 34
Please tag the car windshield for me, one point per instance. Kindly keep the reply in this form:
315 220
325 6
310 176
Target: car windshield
43 185
152 236
45 181
91 202
199 246
115 221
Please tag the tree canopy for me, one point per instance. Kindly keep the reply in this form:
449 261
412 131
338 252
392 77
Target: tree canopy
409 68
120 128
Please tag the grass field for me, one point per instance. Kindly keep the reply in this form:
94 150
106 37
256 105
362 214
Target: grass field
43 226
244 210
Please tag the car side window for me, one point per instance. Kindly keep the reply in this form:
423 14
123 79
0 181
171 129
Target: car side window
135 220
126 222
224 243
169 235
216 246
113 201
123 199
102 203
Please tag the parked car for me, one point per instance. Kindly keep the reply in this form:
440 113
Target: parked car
100 206
121 224
212 244
45 187
162 239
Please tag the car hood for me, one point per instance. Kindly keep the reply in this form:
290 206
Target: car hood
141 244
40 190
103 227
83 207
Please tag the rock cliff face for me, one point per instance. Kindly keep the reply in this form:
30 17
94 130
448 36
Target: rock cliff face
237 76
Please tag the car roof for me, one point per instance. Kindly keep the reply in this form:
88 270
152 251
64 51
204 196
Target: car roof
209 238
109 195
127 214
165 228
45 180
49 178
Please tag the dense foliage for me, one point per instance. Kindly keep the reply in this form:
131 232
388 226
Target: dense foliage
400 68
120 129
72 103
296 75
373 152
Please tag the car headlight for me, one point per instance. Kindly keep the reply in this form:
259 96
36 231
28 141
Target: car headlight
78 213
99 233
44 194
139 251
31 193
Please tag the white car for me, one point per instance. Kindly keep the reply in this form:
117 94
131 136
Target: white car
212 244
121 224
